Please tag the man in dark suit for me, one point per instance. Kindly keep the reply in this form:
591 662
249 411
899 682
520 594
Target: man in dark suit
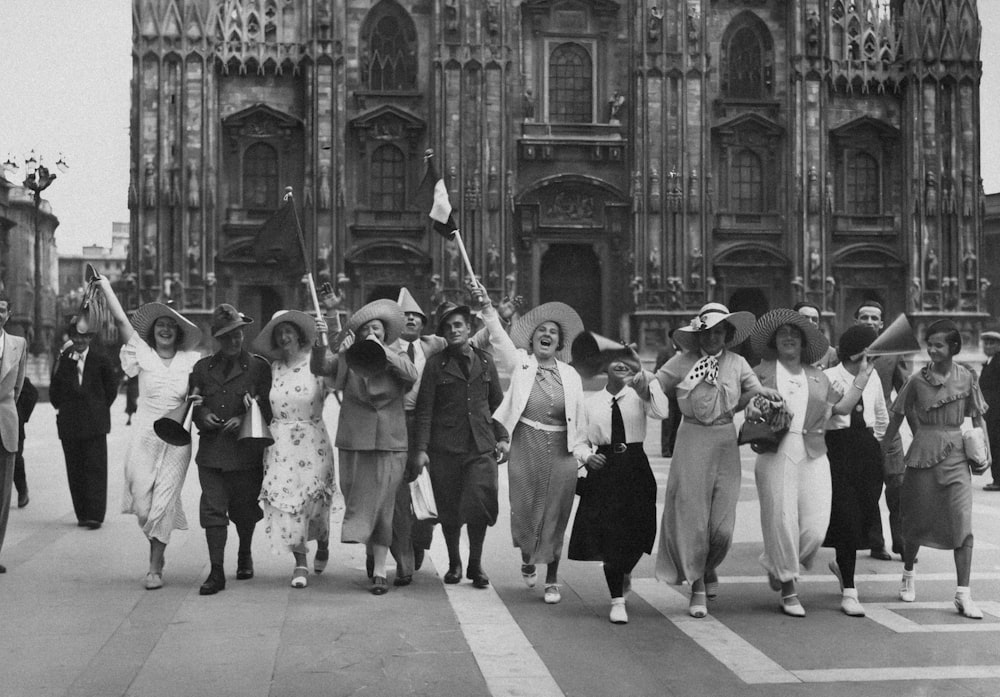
456 434
230 471
83 387
25 406
989 383
13 362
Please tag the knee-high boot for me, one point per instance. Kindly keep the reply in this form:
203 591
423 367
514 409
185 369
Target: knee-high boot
216 537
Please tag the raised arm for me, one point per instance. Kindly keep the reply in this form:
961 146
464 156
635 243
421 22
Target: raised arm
125 330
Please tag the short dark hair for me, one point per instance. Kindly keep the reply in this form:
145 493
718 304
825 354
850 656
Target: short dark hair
559 346
772 342
869 303
805 303
952 337
151 339
298 331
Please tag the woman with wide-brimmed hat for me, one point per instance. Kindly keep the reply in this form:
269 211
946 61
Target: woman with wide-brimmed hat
543 411
160 348
711 384
793 482
371 430
936 498
299 480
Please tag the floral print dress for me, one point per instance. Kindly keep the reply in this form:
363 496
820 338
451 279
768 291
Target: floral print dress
299 480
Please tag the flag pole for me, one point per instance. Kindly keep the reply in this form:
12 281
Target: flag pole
289 198
465 254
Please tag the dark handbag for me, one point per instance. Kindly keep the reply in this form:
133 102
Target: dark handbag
760 436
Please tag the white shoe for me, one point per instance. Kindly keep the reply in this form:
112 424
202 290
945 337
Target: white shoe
908 587
552 594
529 574
791 606
967 607
850 605
300 577
618 614
697 607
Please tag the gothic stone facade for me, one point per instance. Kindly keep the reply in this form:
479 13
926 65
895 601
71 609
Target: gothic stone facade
635 159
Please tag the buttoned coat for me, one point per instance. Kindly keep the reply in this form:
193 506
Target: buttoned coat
12 368
84 407
818 408
454 412
223 396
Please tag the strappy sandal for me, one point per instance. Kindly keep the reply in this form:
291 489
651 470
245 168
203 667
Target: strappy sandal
791 606
300 577
698 607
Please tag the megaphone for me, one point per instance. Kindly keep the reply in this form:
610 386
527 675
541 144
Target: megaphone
895 340
591 352
253 428
366 357
175 426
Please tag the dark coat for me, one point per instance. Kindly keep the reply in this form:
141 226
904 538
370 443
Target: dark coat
84 408
455 412
989 383
26 405
223 396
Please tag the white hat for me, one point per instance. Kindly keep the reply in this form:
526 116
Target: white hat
708 316
408 304
264 342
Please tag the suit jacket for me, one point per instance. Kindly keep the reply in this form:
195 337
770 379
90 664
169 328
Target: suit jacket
989 383
454 413
84 407
223 396
892 372
817 410
12 369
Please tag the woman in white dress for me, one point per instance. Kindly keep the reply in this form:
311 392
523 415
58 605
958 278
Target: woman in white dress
159 348
299 479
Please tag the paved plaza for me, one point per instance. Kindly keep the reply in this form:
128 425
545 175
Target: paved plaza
75 619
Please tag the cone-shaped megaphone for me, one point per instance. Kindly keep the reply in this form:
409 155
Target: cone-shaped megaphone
253 428
591 352
175 426
895 340
365 357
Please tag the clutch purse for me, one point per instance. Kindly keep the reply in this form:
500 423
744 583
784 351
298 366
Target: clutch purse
976 452
422 497
760 436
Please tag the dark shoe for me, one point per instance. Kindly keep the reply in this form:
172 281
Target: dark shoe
418 558
477 576
321 560
3 569
244 567
989 487
370 566
379 585
91 525
22 500
402 580
454 574
215 582
881 554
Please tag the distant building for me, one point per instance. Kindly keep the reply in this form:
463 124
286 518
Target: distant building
991 255
108 261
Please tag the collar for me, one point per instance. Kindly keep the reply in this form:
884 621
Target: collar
935 379
619 394
218 358
714 355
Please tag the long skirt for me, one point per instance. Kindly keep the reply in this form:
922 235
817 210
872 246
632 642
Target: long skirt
288 532
154 478
856 482
794 491
936 505
616 519
699 509
369 480
542 478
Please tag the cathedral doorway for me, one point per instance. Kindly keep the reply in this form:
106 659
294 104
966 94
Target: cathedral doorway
571 273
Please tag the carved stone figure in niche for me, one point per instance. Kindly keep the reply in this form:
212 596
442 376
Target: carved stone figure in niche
947 199
493 189
697 257
829 190
638 290
149 185
528 105
493 19
493 265
654 187
693 20
472 192
930 194
693 191
932 270
812 34
815 268
324 186
170 192
194 262
451 16
307 188
655 24
323 273
615 106
133 189
813 190
453 261
149 264
437 292
654 268
968 195
176 294
571 205
914 299
709 193
828 291
637 191
675 293
969 268
193 187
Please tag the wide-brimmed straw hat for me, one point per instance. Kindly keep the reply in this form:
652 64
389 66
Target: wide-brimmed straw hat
226 318
570 326
145 317
388 311
991 334
764 328
708 316
264 342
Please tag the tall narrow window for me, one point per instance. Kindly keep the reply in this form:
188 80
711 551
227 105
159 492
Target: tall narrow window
745 70
260 176
747 183
571 89
388 179
862 191
388 49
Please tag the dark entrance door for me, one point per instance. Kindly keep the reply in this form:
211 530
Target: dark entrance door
571 273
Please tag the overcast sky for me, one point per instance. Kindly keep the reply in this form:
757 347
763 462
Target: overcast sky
65 67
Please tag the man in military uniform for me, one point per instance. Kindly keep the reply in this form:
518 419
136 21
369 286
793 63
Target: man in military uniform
230 471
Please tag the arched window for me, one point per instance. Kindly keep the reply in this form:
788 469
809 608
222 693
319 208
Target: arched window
862 192
571 89
747 183
388 49
747 58
260 176
388 179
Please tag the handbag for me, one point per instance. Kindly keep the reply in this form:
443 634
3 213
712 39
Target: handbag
760 436
422 497
976 451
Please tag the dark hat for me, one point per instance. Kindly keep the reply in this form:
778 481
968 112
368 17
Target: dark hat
854 340
816 343
226 318
446 310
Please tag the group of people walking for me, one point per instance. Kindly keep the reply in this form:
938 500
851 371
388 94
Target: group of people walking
412 401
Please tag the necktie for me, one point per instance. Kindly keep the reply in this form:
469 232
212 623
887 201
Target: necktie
617 423
412 353
858 415
79 369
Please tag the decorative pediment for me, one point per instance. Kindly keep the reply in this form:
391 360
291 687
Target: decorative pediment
261 120
865 126
388 122
749 123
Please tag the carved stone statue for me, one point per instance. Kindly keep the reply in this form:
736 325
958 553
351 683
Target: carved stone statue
812 34
528 105
451 16
493 19
615 106
133 189
654 268
932 269
930 194
693 28
193 187
638 289
149 185
969 268
815 268
813 191
324 186
914 300
655 24
493 265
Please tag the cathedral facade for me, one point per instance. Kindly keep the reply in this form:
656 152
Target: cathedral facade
634 159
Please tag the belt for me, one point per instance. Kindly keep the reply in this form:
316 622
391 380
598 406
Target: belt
539 426
618 448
